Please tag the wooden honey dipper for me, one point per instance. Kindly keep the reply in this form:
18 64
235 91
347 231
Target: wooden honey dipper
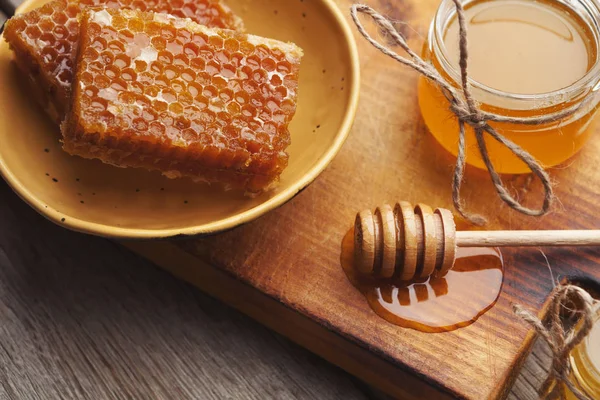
408 243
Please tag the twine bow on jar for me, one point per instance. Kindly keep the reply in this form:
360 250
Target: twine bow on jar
467 112
562 341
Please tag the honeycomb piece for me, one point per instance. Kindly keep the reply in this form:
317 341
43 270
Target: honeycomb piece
167 94
44 40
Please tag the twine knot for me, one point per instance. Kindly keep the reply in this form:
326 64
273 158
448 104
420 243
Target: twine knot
467 112
561 339
474 118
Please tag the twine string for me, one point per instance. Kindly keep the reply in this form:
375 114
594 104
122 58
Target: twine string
467 112
561 340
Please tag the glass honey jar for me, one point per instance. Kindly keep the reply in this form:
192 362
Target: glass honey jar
527 58
585 362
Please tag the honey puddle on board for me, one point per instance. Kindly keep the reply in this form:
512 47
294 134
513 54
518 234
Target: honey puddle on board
437 304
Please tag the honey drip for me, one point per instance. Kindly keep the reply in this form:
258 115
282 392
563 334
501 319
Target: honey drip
437 304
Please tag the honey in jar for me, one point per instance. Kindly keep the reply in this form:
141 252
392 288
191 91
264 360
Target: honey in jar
527 58
585 362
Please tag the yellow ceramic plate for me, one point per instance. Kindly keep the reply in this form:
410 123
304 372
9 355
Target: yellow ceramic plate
91 197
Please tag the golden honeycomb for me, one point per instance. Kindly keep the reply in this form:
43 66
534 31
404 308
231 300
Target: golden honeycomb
167 94
45 40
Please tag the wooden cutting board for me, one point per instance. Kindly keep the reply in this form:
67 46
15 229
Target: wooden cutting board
284 269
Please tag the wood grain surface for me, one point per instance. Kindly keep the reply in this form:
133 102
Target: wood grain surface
292 254
83 318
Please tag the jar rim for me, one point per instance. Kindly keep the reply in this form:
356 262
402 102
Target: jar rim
590 78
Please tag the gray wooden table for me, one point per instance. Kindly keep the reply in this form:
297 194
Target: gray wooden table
83 318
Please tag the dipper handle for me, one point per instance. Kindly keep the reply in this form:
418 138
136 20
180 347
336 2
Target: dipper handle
528 238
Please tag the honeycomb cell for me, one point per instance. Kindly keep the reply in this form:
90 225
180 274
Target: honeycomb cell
60 18
249 112
261 51
45 25
165 57
140 66
64 76
119 84
156 67
223 118
276 80
55 26
228 71
216 41
178 86
220 82
231 45
200 39
246 48
33 32
140 124
126 36
137 88
273 105
191 50
236 59
174 47
49 55
62 59
226 95
169 95
206 53
278 54
197 63
253 62
210 92
100 44
159 43
171 72
201 102
185 99
135 25
188 75
280 92
268 64
184 36
259 76
242 97
222 57
116 46
212 67
134 106
161 81
249 86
